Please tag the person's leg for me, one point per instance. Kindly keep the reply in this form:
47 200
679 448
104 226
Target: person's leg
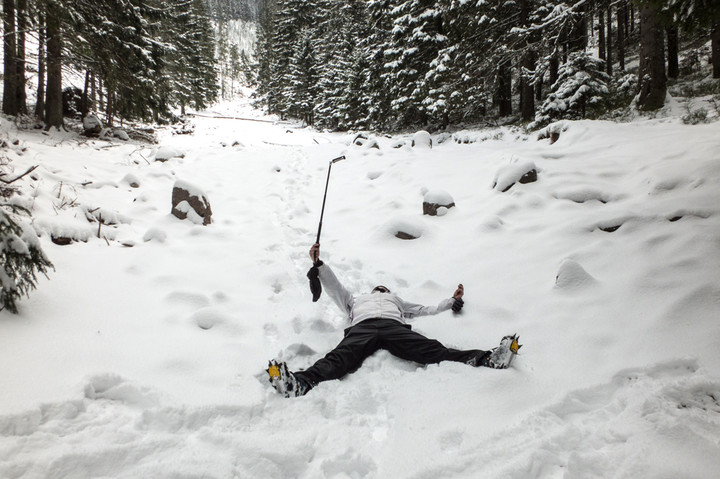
360 341
401 341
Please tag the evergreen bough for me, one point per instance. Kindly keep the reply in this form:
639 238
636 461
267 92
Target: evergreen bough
21 258
581 87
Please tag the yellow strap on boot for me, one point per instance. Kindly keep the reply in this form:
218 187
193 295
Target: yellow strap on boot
274 371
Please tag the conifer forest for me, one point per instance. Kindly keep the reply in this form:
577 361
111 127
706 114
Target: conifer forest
356 64
388 64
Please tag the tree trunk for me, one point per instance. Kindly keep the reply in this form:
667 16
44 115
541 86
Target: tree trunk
93 94
504 89
652 87
578 36
110 112
715 38
622 25
527 98
554 69
85 100
527 65
9 60
21 95
608 37
101 97
53 107
673 66
40 105
601 35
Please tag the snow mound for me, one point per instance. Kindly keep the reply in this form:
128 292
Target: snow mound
165 153
583 195
112 387
573 276
155 234
421 139
651 421
208 318
438 197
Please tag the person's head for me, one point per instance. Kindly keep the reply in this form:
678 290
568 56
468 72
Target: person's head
380 289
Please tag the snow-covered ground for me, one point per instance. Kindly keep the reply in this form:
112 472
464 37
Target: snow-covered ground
143 354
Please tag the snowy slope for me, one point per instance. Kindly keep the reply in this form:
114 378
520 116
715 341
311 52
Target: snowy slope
147 361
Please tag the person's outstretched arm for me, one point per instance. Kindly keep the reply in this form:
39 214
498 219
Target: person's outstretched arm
339 294
411 310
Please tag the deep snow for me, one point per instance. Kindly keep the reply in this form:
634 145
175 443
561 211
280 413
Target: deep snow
143 355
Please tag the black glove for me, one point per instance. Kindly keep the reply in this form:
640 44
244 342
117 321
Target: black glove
457 305
314 277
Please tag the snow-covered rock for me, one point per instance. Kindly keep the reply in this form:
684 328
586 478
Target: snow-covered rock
190 202
437 202
422 139
122 134
165 153
515 172
92 125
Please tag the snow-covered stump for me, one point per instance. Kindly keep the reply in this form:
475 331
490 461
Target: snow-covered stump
189 202
421 139
437 203
92 126
518 172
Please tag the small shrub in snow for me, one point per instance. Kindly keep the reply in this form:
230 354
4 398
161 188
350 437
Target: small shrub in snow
21 258
695 117
580 89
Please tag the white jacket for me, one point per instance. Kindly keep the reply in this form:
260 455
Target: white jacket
374 305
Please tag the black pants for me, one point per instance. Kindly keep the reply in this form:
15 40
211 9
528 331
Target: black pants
366 337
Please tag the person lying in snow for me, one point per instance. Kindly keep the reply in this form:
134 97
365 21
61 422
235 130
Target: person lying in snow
377 321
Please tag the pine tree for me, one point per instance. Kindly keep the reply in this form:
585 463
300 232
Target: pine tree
300 86
341 65
290 24
582 86
417 38
125 34
21 258
189 57
265 55
374 99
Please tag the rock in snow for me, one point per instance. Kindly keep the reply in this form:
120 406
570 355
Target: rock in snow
516 172
437 202
421 139
166 153
189 202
